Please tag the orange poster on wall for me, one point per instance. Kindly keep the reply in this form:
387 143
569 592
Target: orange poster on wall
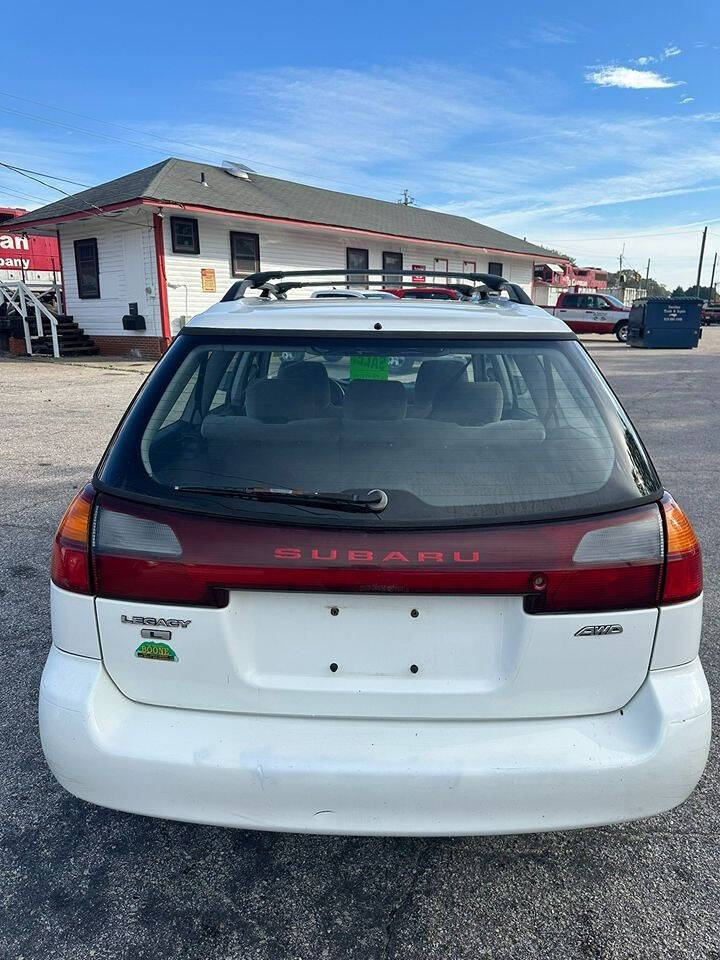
207 277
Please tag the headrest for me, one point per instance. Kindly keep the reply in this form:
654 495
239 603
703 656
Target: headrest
375 400
469 404
277 401
433 374
313 374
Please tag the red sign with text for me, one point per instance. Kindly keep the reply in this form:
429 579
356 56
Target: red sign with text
418 270
18 252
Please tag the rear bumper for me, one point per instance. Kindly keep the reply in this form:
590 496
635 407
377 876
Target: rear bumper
320 775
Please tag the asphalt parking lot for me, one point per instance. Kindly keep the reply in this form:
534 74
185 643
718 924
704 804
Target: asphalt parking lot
79 881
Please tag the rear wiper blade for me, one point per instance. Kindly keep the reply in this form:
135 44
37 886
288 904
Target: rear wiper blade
373 502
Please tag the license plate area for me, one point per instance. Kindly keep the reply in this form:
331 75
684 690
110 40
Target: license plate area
271 652
380 642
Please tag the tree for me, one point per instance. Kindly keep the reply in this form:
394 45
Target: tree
557 253
690 292
656 289
631 278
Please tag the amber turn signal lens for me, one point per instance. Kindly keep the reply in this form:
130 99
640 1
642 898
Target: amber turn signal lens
70 567
679 532
683 557
75 525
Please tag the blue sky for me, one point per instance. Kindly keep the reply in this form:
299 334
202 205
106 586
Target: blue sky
580 127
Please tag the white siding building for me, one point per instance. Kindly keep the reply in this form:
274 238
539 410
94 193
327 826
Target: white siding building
142 254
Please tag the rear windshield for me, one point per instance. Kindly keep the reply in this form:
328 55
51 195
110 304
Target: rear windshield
454 432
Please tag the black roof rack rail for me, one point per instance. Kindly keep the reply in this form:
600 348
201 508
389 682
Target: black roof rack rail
266 282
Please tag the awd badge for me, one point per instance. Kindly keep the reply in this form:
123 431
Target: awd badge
149 650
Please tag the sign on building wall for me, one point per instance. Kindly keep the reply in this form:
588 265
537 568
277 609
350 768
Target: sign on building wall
207 278
418 270
28 253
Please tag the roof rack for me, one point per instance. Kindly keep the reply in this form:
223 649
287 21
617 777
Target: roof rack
265 281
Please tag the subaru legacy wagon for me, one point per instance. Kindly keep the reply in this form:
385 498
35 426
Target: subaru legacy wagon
319 595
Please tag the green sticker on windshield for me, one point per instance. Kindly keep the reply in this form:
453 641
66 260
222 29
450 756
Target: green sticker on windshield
149 650
368 368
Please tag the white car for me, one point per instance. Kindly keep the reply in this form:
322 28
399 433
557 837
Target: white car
399 364
348 294
334 601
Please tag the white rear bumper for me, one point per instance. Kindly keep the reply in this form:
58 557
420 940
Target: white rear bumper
320 775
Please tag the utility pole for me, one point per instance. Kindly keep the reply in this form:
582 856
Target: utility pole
406 200
712 279
621 257
700 262
647 279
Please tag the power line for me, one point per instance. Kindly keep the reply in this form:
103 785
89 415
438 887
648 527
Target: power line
20 170
96 211
8 190
51 176
631 236
145 146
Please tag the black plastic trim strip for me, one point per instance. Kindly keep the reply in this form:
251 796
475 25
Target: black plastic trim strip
243 332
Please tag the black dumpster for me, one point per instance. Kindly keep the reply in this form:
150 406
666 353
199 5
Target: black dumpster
657 322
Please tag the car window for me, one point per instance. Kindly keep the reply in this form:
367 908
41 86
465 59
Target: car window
614 301
455 433
522 396
570 300
181 400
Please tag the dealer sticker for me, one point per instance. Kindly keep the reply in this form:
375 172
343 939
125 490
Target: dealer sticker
156 651
368 368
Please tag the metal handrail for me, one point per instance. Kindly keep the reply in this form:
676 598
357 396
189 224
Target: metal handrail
264 281
20 297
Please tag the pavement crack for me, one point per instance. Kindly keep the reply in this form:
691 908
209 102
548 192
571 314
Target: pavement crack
400 907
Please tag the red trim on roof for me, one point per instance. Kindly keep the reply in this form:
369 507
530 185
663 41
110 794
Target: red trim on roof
219 211
162 276
81 215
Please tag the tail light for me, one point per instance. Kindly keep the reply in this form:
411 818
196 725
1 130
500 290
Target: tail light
683 558
70 566
606 563
629 560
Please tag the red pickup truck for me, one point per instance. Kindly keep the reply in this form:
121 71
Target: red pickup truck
427 293
592 313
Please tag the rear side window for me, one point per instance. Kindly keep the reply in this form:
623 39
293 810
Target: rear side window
459 432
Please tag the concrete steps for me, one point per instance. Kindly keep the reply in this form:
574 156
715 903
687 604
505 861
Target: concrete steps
72 339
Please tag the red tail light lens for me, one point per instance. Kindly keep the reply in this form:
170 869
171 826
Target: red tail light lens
70 568
683 564
607 563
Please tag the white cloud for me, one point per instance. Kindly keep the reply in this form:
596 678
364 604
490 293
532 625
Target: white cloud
482 152
556 35
475 146
553 35
628 78
687 100
670 51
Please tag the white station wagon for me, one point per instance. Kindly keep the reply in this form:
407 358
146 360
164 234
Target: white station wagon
318 595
